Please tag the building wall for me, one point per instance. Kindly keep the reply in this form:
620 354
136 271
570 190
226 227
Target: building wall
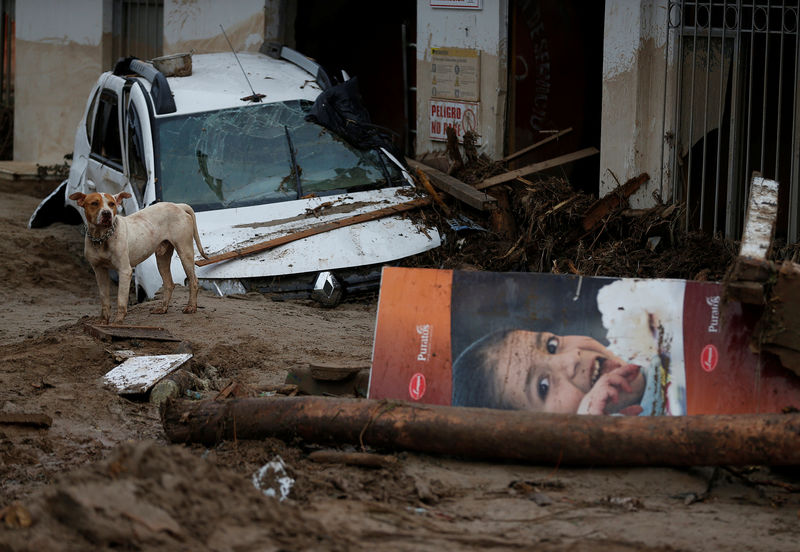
485 29
58 59
195 25
634 134
60 56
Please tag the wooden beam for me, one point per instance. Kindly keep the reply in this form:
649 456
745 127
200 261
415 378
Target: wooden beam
109 332
536 167
532 147
454 187
314 230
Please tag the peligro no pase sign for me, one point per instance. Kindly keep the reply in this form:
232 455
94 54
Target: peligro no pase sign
461 116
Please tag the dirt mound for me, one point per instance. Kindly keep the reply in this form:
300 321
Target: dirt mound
145 495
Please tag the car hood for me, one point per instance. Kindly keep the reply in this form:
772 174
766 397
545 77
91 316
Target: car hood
372 242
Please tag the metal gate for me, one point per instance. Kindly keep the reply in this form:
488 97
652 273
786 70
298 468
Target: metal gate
735 77
138 29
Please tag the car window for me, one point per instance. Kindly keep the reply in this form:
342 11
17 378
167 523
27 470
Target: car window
105 136
241 156
90 115
136 166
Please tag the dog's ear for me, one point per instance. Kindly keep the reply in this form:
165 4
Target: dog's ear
122 195
79 197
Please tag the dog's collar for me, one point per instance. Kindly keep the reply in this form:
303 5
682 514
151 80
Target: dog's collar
98 240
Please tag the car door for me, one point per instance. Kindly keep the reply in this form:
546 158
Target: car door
106 166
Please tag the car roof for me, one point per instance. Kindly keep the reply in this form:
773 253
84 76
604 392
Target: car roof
217 82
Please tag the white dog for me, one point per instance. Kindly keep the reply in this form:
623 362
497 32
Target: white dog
123 242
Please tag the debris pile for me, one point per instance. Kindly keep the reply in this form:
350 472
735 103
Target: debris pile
542 223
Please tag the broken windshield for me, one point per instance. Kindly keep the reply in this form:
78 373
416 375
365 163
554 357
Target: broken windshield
259 154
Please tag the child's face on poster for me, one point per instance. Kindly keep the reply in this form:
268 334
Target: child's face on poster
544 372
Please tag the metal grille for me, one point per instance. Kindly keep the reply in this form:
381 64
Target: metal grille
138 29
734 69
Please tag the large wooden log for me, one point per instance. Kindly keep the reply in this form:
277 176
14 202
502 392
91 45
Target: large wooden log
766 439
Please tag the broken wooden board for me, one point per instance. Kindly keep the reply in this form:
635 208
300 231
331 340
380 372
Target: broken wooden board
454 187
25 419
314 230
532 147
612 200
108 332
536 167
137 375
779 327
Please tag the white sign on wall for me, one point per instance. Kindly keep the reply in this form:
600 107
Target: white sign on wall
466 4
462 116
455 74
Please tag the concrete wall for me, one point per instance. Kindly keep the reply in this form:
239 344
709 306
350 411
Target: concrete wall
195 25
485 30
58 59
634 132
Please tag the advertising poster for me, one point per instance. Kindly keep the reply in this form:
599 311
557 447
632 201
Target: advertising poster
570 344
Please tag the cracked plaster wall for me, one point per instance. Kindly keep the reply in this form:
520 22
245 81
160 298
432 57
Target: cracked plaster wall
633 128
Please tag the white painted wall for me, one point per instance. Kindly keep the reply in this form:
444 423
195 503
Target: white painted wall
195 24
485 30
58 59
632 138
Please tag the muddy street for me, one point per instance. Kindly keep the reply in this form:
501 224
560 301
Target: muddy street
104 475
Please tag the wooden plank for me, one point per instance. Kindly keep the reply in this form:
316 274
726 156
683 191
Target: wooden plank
612 200
426 183
454 187
24 419
314 230
532 147
138 374
537 167
107 332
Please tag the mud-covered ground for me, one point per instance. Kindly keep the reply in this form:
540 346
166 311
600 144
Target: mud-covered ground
105 476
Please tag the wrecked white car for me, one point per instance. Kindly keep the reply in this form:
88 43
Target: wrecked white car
232 140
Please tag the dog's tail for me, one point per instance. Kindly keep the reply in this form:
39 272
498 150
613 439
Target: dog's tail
190 212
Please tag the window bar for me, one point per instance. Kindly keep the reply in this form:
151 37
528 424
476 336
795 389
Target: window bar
667 48
734 136
691 121
764 95
780 94
705 118
678 105
749 104
795 161
720 109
